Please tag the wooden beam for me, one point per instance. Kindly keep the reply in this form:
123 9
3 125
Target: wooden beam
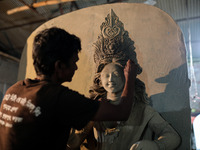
35 5
30 6
9 56
187 19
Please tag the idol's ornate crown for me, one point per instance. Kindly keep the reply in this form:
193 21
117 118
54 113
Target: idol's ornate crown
114 43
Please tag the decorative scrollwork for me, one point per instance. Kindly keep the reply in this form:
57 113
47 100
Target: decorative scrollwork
114 43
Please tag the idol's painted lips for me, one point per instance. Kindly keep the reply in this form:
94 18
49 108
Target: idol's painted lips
111 84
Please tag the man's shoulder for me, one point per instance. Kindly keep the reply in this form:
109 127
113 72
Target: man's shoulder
15 85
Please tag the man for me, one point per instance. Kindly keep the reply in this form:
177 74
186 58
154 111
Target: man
38 114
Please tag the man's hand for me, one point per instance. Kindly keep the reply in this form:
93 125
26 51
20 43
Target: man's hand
130 70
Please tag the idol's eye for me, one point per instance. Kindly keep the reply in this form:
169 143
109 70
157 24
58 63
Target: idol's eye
107 75
116 74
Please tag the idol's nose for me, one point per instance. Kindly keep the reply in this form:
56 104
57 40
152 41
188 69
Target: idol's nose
110 79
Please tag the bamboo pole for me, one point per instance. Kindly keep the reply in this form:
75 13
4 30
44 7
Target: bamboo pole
35 5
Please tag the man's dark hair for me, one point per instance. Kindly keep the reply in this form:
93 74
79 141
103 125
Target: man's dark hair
51 45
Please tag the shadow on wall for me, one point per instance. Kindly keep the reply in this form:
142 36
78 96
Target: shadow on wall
173 104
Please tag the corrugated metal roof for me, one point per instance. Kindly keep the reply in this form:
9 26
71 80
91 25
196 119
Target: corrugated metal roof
15 28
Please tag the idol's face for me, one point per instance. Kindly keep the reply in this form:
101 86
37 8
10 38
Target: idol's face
112 78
